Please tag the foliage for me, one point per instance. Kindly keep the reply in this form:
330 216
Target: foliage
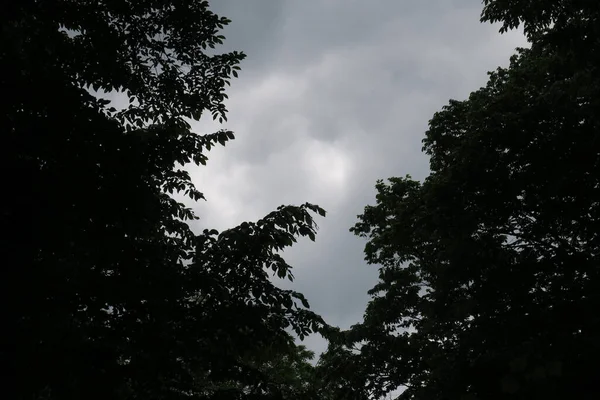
107 292
543 17
280 371
488 270
341 373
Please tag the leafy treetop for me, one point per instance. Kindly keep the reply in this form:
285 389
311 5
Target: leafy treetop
488 280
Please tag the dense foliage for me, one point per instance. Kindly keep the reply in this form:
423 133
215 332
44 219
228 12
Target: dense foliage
106 292
489 269
489 282
284 372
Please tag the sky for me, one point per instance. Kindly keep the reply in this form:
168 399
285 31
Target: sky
332 96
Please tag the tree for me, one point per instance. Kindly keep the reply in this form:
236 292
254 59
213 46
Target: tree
280 371
489 279
340 371
107 292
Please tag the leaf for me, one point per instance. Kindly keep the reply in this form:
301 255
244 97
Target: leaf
518 364
554 369
539 373
510 385
304 302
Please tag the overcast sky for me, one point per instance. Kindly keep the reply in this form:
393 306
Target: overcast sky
333 95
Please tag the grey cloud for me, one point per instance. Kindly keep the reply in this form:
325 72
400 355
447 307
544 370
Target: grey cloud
254 29
337 85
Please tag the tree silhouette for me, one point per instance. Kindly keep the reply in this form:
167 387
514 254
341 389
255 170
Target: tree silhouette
489 280
106 291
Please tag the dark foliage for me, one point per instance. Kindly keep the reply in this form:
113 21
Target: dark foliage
106 292
489 269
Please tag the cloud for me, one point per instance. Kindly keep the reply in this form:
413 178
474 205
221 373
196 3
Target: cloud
334 95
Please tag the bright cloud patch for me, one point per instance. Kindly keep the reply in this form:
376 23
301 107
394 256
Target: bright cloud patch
327 166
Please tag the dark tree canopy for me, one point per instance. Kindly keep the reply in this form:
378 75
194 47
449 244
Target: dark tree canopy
489 269
106 292
541 17
283 372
